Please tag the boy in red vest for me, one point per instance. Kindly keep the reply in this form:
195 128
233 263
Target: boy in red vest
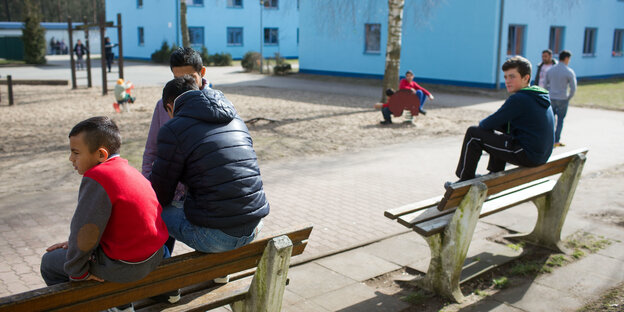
116 233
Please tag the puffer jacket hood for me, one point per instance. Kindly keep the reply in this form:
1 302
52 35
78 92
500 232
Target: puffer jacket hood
207 105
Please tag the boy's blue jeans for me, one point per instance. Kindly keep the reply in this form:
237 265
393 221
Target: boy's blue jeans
201 238
421 95
560 108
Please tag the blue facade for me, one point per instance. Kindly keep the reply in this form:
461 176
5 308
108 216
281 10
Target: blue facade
231 26
457 42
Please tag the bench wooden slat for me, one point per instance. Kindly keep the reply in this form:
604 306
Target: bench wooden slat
504 180
173 273
413 218
436 225
423 204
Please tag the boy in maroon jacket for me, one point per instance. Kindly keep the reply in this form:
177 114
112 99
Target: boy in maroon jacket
116 232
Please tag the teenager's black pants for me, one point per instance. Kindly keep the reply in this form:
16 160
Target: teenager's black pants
501 147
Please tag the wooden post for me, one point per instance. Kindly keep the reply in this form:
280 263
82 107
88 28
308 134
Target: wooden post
71 52
269 282
449 248
103 55
10 87
86 30
120 40
552 208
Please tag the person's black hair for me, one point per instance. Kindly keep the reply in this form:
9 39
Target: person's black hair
186 57
564 55
520 63
177 86
549 51
389 92
100 131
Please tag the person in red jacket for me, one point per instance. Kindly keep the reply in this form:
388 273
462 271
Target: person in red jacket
408 83
117 233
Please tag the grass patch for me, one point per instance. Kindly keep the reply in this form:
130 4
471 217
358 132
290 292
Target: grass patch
606 94
577 254
587 241
480 293
416 297
501 282
516 247
11 62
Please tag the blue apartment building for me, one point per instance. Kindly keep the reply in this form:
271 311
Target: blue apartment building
230 26
461 42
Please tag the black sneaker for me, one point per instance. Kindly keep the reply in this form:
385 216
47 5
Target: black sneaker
385 122
171 297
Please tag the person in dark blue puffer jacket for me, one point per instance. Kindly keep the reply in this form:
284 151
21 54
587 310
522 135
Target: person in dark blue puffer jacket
208 148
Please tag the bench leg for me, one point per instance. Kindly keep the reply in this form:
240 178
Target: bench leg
449 248
269 281
552 208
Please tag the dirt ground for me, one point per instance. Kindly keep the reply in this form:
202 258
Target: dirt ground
34 148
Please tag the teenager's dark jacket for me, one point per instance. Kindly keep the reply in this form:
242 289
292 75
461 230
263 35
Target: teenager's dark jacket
528 117
207 147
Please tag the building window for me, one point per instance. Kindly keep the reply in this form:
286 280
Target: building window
589 43
556 39
373 38
195 2
618 36
196 36
271 36
515 40
141 36
235 36
270 4
298 36
139 4
234 3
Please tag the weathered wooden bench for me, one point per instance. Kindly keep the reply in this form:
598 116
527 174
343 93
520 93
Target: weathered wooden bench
448 222
193 272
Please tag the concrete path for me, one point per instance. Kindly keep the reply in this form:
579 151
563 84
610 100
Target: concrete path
344 197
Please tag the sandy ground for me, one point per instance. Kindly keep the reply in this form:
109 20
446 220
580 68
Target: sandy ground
34 148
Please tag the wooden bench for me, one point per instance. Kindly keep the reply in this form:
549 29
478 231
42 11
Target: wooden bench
195 271
447 222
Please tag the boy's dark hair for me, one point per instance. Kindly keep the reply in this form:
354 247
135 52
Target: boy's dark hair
389 92
177 86
564 55
100 131
186 57
549 51
522 64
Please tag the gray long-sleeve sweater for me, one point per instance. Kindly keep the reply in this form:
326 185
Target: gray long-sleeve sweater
558 78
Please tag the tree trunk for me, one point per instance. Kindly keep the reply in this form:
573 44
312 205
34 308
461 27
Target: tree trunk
393 47
186 42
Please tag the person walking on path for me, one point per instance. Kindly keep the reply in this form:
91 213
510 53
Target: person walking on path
80 51
108 52
558 80
408 83
520 132
547 63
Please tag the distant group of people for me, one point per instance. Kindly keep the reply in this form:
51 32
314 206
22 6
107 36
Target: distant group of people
57 47
200 184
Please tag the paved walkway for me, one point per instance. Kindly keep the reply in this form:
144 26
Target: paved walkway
344 197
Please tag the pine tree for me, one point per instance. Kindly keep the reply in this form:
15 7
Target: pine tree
33 35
